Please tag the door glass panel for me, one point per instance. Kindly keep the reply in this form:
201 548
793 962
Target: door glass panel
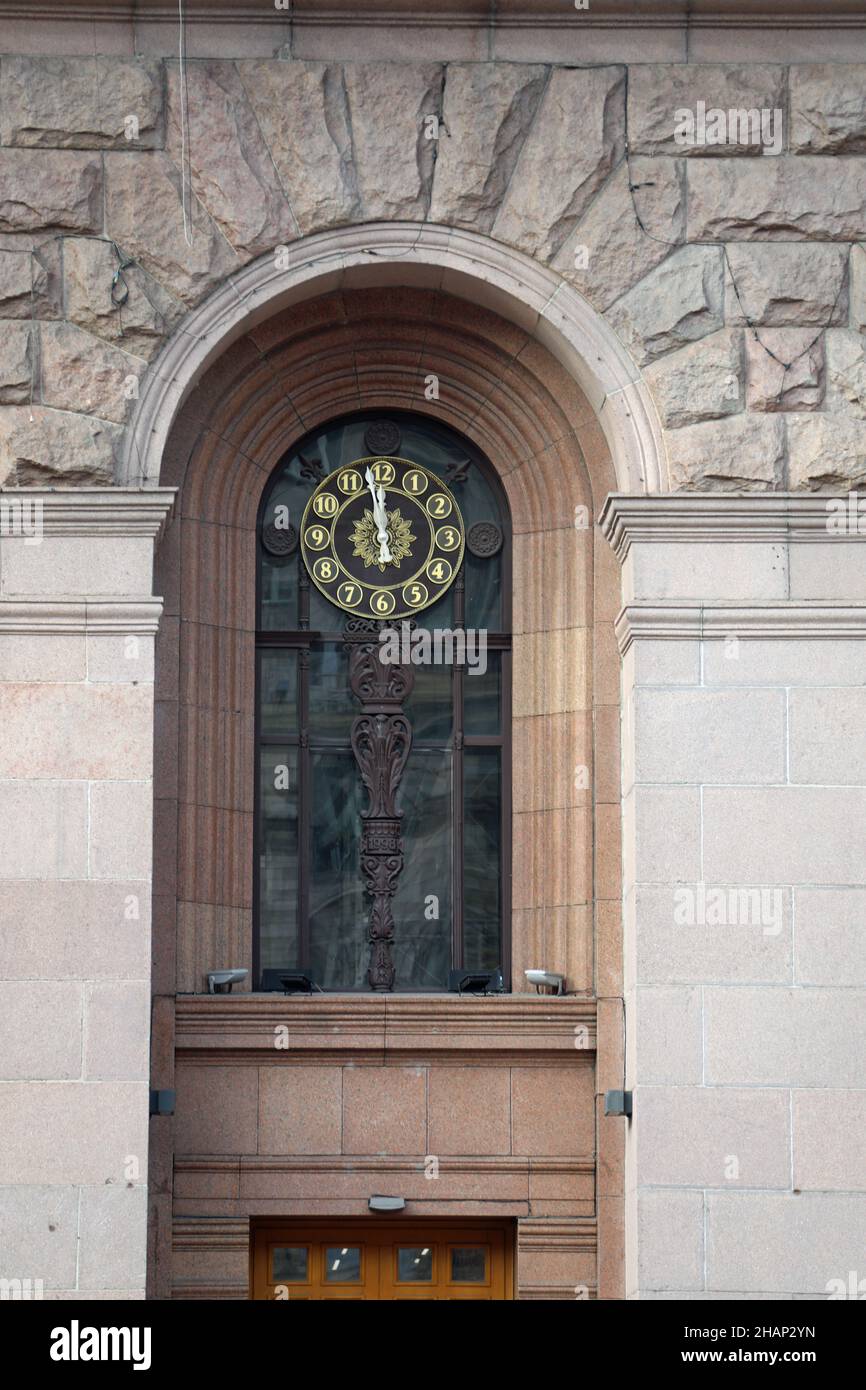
469 1264
290 1264
278 860
415 1264
342 1264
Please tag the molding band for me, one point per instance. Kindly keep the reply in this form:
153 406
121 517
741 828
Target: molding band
785 619
86 511
48 615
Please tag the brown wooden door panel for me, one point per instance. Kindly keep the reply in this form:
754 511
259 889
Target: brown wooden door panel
382 1260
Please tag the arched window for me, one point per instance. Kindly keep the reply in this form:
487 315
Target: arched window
323 882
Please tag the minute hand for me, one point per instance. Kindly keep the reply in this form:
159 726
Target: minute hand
380 518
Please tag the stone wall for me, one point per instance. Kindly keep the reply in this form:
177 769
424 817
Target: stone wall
735 279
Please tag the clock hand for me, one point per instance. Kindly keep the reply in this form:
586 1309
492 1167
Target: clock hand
380 518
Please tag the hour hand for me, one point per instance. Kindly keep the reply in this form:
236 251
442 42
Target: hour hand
380 518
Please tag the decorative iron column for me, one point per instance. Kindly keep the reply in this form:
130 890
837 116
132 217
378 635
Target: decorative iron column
381 738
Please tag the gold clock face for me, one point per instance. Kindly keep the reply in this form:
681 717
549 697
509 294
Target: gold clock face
382 538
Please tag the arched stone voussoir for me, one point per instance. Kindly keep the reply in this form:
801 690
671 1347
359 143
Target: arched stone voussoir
465 264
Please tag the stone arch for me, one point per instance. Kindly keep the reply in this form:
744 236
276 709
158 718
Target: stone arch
380 255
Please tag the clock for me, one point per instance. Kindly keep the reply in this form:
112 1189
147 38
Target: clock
382 538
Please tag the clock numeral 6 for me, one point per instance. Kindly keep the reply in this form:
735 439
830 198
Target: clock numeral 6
382 602
316 537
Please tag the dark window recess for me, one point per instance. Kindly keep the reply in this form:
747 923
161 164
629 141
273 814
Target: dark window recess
330 900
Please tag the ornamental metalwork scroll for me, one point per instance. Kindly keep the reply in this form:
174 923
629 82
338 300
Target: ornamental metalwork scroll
381 738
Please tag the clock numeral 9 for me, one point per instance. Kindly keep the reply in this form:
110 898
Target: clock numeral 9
316 537
382 602
439 505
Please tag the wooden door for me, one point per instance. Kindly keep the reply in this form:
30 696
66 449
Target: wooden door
384 1260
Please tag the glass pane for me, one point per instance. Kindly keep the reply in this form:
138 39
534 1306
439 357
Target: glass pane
342 1264
482 696
468 1264
482 847
279 692
415 1264
339 912
422 903
484 591
278 858
332 704
429 707
289 1264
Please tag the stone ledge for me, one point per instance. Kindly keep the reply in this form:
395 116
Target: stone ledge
717 518
92 511
225 1028
48 616
785 620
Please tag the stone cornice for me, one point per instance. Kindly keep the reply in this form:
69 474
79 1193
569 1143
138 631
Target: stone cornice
324 1026
87 511
532 14
783 619
775 517
56 616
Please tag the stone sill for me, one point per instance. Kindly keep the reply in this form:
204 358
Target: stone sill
398 1026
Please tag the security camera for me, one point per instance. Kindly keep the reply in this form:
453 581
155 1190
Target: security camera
546 980
221 981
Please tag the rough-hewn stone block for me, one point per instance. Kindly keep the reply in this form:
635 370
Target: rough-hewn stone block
140 323
608 251
785 284
302 109
678 302
576 140
488 112
17 353
771 199
81 103
826 451
38 445
231 170
744 453
828 107
657 91
785 369
393 156
83 373
700 382
50 188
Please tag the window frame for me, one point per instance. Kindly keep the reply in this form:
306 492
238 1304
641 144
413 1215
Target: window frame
304 638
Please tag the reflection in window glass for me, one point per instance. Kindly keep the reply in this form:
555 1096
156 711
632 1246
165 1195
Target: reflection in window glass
482 847
279 692
289 1264
415 1264
482 697
342 1264
468 1264
278 861
339 950
422 903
